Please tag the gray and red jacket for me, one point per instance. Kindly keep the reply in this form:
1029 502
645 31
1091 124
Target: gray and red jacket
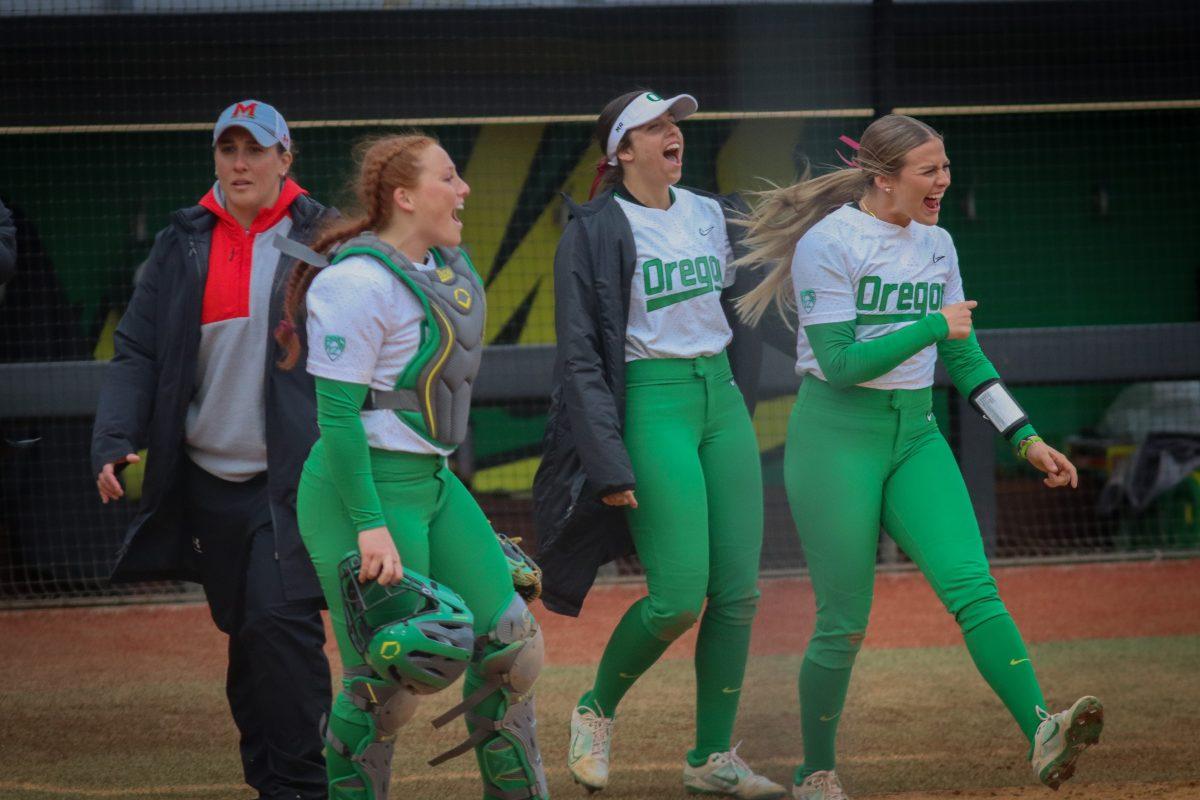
151 381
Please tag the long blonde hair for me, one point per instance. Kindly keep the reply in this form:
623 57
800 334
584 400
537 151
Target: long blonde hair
784 214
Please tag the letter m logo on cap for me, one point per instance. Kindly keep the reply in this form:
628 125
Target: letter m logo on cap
244 110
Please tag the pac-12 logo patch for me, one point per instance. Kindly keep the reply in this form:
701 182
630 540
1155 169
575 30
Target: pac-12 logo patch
334 347
808 299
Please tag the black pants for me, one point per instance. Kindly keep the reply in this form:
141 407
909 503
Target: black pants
278 677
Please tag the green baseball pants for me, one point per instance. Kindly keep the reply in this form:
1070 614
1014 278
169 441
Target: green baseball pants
858 459
698 533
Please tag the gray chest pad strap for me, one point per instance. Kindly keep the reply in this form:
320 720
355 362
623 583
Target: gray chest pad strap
296 250
395 400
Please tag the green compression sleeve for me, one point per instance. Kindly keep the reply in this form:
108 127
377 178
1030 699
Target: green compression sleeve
968 367
846 362
339 406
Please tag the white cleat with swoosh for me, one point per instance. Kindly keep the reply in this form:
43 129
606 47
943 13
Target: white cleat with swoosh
727 775
591 742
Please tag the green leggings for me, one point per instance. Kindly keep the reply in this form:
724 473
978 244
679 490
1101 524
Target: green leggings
698 533
440 532
857 459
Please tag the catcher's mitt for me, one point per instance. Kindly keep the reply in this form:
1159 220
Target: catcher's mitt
526 574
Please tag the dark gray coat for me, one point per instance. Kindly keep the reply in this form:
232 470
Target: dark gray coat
583 452
152 378
8 245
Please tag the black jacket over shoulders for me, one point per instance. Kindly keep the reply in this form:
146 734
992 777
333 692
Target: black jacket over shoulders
151 380
583 453
8 246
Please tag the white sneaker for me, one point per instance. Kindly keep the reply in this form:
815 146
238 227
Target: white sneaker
823 785
1062 737
591 740
726 774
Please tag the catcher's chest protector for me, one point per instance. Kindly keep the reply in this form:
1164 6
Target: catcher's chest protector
433 393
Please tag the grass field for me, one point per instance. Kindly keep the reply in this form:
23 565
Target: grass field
919 723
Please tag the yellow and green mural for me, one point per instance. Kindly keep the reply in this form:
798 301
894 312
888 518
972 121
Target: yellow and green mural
1037 246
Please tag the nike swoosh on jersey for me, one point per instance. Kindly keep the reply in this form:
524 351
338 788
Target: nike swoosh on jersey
1012 662
727 690
627 676
830 717
936 258
707 231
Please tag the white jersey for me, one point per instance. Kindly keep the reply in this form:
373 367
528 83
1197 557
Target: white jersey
364 326
851 266
683 257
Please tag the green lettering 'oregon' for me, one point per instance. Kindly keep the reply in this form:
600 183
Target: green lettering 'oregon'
687 272
697 276
888 288
870 283
895 302
652 275
702 273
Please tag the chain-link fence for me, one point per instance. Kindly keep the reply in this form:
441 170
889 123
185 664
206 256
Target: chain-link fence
1070 125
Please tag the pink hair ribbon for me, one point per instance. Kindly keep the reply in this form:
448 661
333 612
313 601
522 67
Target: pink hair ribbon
848 141
601 168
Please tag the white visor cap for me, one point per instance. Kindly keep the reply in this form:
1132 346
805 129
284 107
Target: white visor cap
647 106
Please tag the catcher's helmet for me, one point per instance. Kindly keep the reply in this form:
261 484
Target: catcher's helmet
416 633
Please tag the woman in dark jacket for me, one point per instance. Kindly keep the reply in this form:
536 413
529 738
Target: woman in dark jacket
194 380
648 428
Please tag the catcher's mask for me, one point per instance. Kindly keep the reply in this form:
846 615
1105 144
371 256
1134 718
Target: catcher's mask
416 632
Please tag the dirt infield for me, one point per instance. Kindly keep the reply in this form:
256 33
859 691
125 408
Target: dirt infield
1091 601
1116 791
1108 600
135 696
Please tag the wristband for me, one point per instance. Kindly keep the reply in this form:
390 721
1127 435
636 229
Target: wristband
992 400
1025 444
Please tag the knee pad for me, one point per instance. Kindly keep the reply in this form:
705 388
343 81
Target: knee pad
360 734
508 659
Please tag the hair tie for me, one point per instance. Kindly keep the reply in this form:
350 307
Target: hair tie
852 163
601 167
286 328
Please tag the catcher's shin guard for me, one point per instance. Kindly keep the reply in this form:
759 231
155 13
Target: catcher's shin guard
360 734
506 660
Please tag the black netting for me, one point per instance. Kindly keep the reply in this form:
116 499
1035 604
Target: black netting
1071 126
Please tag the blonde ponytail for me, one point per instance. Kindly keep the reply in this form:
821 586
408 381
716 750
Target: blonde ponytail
781 216
784 214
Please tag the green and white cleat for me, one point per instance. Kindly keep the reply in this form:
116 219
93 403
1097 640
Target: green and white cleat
1062 737
727 775
591 741
823 785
